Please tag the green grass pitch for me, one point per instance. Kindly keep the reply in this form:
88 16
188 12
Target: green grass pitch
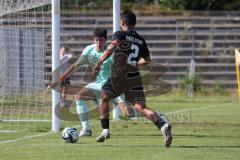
204 128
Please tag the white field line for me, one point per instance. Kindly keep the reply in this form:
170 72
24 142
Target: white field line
49 133
196 109
29 137
26 137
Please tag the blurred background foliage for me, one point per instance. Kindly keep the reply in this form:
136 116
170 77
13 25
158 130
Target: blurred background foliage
192 5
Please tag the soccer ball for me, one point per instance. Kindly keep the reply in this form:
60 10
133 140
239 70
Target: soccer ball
70 135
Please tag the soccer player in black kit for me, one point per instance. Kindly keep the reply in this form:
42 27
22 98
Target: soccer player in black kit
129 51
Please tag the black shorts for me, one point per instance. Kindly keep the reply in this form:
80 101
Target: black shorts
65 82
132 89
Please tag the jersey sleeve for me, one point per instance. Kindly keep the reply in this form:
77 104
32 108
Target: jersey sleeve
145 52
118 36
83 58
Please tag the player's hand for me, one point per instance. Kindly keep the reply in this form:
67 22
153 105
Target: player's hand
96 70
53 85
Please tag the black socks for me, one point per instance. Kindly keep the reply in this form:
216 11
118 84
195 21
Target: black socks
105 123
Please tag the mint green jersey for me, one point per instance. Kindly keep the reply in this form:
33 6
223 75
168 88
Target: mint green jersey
91 56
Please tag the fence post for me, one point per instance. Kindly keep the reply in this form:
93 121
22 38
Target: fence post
177 35
211 37
192 65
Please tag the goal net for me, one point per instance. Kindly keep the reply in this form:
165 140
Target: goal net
23 26
26 55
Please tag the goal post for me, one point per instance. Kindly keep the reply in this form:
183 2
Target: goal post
237 59
116 27
55 60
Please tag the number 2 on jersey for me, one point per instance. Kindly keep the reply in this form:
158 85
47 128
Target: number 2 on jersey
133 55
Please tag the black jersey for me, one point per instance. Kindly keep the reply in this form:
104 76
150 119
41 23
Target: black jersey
132 47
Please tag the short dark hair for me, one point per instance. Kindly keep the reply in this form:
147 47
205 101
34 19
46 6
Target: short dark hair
129 17
99 32
66 48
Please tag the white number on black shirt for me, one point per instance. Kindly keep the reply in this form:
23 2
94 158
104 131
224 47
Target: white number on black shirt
133 55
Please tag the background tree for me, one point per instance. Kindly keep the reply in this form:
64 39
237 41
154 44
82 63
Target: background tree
201 4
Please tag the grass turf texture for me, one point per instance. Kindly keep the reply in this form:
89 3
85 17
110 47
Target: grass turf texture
205 127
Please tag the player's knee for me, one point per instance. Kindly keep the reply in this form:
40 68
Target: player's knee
78 97
104 97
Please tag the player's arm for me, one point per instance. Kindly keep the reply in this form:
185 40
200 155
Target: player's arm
107 53
144 61
67 73
72 69
145 56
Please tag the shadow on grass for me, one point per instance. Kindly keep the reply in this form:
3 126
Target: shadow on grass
205 136
206 146
157 146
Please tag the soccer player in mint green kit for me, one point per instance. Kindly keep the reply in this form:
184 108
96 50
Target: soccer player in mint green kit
90 55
